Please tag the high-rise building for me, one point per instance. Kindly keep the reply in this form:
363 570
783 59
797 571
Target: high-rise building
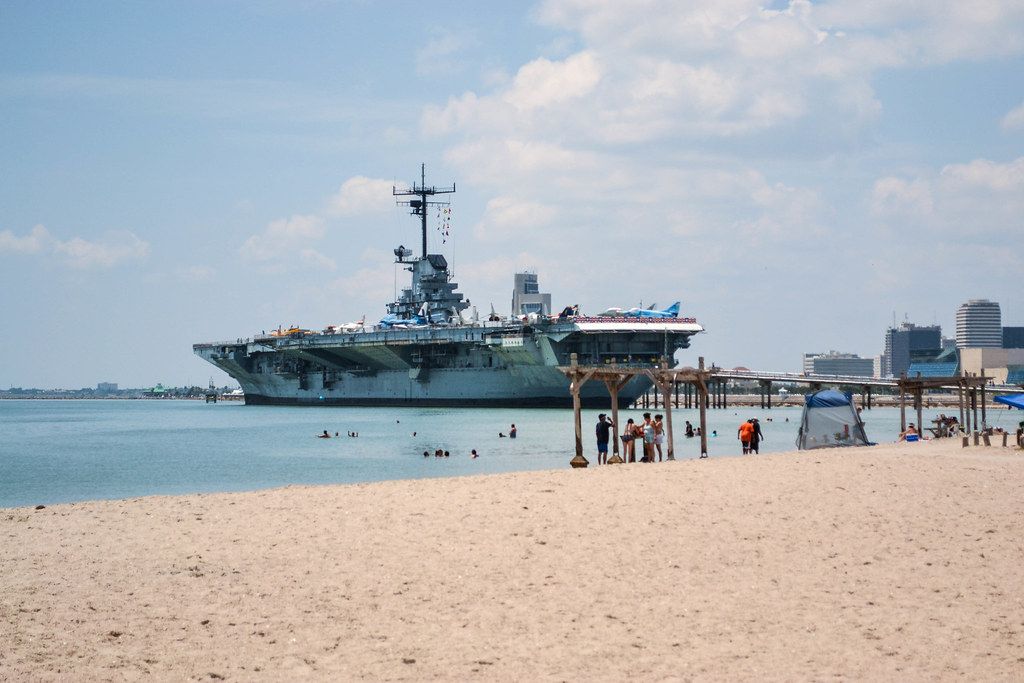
907 344
527 297
979 324
106 388
1013 337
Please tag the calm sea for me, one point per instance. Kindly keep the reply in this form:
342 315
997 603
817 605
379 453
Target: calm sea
63 451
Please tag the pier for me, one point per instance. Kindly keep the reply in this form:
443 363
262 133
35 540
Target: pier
704 388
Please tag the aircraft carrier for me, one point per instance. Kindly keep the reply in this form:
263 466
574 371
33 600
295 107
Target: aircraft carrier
427 352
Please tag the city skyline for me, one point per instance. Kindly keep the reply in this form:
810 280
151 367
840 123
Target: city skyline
794 172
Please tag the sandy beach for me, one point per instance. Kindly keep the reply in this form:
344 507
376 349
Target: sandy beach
893 561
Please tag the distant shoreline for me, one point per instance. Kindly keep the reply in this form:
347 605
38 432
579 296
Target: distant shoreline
116 398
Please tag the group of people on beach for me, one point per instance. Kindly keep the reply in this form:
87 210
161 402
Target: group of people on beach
650 433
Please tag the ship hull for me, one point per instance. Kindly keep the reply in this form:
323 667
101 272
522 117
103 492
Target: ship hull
536 387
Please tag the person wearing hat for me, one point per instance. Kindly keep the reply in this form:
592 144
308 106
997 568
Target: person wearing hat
604 426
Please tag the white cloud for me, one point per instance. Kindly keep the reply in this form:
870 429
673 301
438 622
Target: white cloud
315 258
371 284
977 197
37 239
361 195
542 83
662 70
440 55
511 217
283 237
896 195
1014 118
113 248
195 273
986 174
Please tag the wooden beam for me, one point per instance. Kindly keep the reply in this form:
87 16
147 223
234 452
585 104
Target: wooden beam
702 389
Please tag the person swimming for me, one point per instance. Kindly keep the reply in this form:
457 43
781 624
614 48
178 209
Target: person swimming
325 435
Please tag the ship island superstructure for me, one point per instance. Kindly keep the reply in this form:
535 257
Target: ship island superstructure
426 352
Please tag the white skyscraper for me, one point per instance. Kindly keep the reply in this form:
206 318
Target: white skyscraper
979 323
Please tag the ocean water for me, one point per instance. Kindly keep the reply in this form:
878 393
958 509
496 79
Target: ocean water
64 451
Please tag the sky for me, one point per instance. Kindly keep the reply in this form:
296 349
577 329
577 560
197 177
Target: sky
797 173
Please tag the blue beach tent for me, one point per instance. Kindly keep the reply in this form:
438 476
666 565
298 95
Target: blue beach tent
830 421
1015 400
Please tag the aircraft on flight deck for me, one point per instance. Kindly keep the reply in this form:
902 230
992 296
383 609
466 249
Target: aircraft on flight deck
670 312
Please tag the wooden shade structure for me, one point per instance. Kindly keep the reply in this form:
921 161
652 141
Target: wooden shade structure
665 379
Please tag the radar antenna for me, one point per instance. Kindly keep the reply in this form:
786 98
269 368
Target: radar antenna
419 206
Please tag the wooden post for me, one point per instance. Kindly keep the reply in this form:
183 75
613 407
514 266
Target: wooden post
903 407
703 388
960 397
725 393
666 389
614 386
768 390
869 398
974 408
920 400
578 460
984 419
613 391
668 427
578 379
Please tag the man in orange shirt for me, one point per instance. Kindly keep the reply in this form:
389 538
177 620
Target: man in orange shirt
745 433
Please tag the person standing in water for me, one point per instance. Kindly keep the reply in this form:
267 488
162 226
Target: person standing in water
512 431
629 441
659 435
648 430
604 426
757 437
744 434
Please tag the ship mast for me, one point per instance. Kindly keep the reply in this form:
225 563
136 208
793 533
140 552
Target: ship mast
419 206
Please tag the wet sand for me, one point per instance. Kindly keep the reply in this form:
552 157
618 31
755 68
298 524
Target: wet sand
898 561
